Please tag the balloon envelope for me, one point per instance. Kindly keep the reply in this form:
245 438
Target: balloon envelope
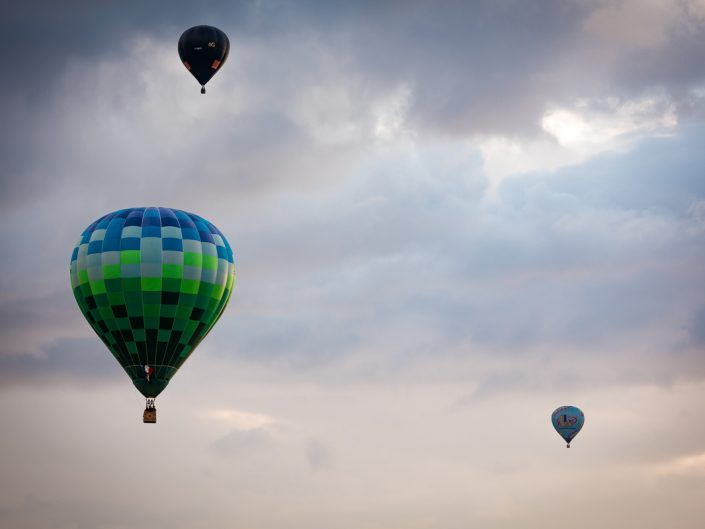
568 420
152 282
203 50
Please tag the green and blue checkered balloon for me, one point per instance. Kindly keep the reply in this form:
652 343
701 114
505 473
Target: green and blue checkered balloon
152 282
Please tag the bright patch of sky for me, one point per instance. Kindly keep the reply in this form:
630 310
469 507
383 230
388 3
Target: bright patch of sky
575 134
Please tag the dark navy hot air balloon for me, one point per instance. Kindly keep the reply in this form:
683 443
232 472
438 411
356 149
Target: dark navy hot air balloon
203 50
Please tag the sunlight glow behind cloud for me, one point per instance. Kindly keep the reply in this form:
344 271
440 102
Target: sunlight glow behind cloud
240 420
577 133
683 466
595 125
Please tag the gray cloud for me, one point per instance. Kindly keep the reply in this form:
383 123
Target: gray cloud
78 361
589 260
472 69
35 511
697 326
318 455
659 175
581 260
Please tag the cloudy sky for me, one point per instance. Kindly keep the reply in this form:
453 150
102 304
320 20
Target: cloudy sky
449 218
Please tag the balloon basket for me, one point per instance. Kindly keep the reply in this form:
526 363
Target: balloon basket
150 412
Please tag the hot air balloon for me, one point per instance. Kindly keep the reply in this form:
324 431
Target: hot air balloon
152 282
568 420
203 50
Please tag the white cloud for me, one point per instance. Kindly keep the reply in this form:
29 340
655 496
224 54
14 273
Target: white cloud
692 465
596 125
575 134
390 113
504 157
238 419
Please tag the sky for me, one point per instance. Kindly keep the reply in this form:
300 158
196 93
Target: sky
449 218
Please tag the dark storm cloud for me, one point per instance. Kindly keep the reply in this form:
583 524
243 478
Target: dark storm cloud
474 66
41 41
39 37
493 67
675 66
480 67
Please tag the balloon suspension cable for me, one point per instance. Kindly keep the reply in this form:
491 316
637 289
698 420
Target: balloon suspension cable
150 403
203 89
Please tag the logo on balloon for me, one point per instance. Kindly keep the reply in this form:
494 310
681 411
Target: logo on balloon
566 420
211 44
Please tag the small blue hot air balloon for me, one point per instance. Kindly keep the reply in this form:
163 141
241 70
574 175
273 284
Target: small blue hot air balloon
568 420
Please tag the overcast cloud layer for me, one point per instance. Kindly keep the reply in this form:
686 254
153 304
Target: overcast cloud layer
449 218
